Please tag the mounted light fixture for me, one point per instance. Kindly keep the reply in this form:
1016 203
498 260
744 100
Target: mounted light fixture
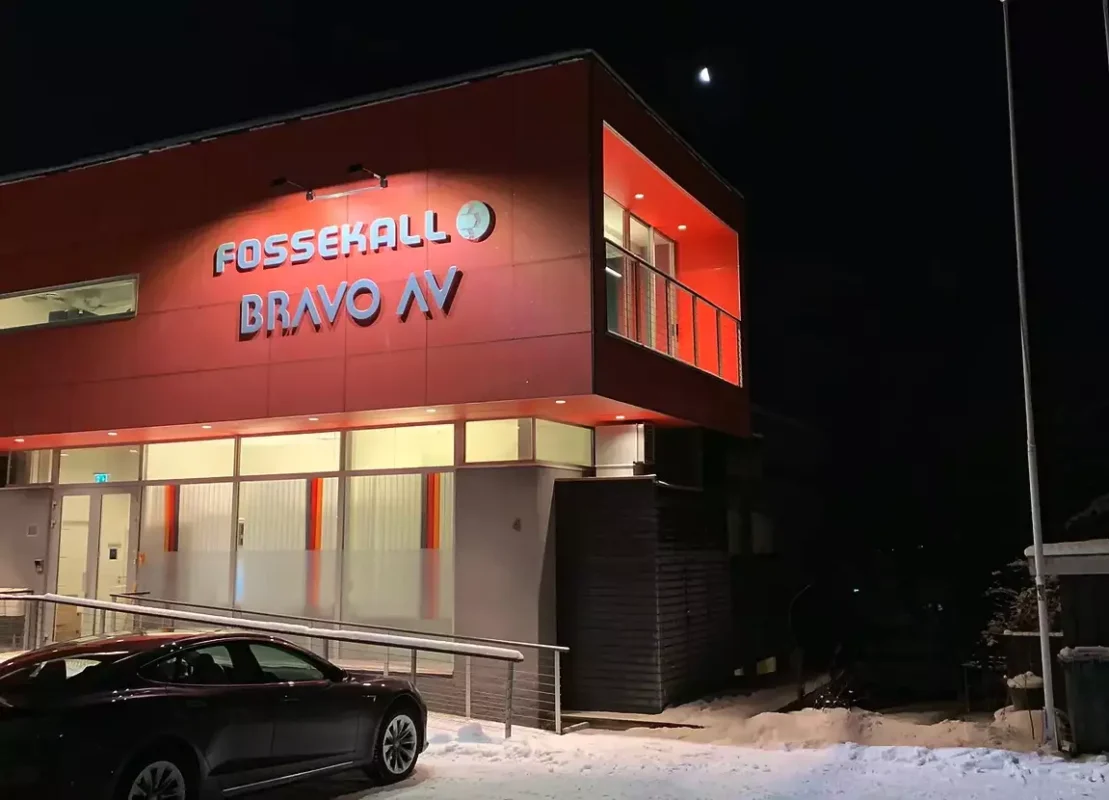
353 169
279 183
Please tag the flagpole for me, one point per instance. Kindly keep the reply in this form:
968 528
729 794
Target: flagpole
1026 370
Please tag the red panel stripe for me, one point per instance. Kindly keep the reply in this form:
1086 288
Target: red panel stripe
315 514
172 517
430 583
432 533
314 539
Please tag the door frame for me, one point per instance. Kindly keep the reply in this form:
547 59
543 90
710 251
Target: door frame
92 554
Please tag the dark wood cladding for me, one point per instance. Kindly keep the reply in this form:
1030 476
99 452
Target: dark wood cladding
643 595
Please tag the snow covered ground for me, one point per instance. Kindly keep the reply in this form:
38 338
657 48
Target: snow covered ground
736 754
470 761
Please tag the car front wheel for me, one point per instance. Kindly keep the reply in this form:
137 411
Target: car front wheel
398 746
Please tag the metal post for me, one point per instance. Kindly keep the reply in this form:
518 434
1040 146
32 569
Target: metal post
1105 14
28 627
739 348
508 701
693 317
1026 365
558 690
719 347
670 322
386 671
469 686
413 667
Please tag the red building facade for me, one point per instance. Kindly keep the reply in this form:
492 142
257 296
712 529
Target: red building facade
531 245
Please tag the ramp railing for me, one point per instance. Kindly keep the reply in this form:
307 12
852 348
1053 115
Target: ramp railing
452 681
497 677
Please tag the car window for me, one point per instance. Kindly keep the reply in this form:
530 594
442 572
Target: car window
51 673
203 666
279 665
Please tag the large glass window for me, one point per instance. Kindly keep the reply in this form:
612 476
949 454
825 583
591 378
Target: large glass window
558 443
619 280
639 239
27 467
408 447
614 221
185 544
97 301
288 543
290 454
398 566
99 465
498 440
212 458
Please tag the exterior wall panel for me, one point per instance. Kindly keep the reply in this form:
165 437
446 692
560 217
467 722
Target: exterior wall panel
519 326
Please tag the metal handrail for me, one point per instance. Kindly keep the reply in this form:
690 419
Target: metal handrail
354 637
146 598
672 286
670 279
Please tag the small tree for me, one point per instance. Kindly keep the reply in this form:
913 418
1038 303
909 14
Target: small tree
1013 594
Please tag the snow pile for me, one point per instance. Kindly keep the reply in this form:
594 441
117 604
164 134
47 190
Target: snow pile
469 761
1029 680
1084 654
814 728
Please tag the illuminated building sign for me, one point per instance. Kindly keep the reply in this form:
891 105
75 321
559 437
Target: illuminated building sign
360 299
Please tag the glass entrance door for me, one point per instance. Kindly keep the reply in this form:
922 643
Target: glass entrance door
94 535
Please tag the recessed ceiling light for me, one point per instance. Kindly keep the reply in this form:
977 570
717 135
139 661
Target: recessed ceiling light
313 419
681 227
112 433
639 195
620 416
704 76
20 440
132 450
64 455
206 427
560 402
430 410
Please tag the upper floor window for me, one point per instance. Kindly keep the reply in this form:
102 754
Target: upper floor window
75 303
638 238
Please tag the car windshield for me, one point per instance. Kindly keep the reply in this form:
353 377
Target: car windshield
55 671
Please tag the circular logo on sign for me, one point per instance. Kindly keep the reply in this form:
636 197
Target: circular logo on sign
475 221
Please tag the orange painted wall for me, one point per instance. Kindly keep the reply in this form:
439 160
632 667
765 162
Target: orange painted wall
520 325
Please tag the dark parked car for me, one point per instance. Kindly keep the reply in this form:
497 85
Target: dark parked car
194 716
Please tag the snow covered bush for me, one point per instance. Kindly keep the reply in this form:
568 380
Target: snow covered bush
1013 594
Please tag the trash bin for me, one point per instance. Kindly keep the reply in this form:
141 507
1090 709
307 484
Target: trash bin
1087 677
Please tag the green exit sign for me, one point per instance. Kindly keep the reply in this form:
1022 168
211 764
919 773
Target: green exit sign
100 477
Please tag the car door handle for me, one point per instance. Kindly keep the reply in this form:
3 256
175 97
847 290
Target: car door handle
288 699
195 704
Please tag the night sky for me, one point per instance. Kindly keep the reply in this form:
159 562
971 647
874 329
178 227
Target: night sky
870 141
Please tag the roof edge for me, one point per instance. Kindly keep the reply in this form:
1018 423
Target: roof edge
361 102
666 126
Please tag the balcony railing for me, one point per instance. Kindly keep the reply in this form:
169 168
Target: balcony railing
654 310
